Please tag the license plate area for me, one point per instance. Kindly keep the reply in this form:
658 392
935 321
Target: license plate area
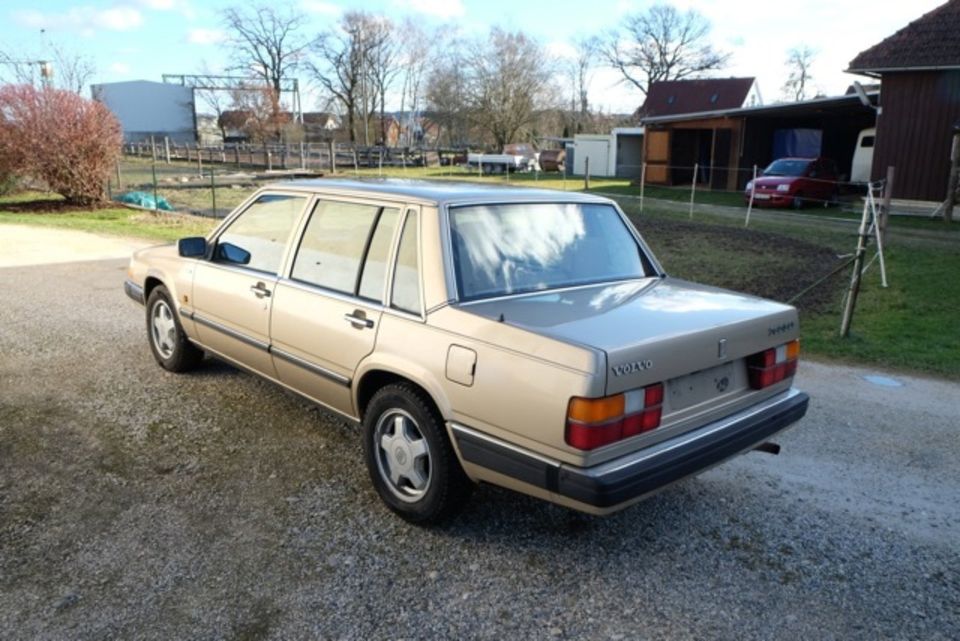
761 196
692 389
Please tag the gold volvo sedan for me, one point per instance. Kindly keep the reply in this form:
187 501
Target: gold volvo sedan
521 337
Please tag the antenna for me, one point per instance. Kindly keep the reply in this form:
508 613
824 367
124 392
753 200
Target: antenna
862 95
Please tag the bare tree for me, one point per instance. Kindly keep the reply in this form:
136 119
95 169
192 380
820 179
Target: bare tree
343 67
266 40
61 68
416 47
799 60
579 73
382 63
662 44
446 96
507 80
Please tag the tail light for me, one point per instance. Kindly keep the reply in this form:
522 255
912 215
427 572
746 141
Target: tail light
773 365
595 422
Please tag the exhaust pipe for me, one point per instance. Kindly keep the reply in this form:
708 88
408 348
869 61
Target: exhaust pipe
769 447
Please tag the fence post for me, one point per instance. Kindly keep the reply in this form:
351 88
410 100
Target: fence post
199 162
885 207
643 180
119 181
154 169
356 164
303 158
333 157
236 155
166 148
954 181
855 278
153 148
213 191
479 164
586 173
753 191
693 187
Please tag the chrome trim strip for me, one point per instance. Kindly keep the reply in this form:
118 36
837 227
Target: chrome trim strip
307 365
232 333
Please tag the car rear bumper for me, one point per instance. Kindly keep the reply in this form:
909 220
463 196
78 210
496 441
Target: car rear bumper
635 475
133 290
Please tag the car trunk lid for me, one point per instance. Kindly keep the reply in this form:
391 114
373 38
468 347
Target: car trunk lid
652 330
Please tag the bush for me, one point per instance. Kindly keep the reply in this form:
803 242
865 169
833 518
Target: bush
64 140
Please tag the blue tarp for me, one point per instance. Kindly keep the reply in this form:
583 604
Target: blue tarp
797 143
143 199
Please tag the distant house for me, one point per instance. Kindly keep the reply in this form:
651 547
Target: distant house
146 109
674 97
920 100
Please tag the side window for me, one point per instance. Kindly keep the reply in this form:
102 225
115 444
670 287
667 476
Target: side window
406 277
333 245
374 273
257 238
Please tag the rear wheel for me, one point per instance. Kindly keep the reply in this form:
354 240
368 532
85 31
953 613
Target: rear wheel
409 457
168 342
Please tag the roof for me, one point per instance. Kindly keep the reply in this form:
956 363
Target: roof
672 97
781 109
929 42
439 192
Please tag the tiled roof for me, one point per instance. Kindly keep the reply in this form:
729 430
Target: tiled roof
672 97
933 40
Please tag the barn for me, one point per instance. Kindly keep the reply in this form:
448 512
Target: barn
919 68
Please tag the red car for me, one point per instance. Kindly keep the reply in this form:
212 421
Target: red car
795 182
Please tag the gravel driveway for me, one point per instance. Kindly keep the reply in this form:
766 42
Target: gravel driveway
139 504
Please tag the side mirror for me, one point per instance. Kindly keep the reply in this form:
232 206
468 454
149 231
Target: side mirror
193 247
230 253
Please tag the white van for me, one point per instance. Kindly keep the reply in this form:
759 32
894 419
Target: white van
863 156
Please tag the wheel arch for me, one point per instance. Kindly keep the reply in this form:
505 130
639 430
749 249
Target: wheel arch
377 376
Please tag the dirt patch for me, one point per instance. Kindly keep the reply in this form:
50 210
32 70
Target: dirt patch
760 263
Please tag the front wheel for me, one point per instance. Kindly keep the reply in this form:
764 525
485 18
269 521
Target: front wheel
168 342
798 202
409 457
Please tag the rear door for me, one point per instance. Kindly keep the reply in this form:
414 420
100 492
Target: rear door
327 310
233 291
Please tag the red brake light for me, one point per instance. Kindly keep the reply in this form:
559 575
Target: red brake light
639 411
771 366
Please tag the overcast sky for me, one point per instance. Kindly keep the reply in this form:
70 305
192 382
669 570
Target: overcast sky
142 39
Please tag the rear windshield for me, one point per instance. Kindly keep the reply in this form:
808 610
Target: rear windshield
787 167
511 249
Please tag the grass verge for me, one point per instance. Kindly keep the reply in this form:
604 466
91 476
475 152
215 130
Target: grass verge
43 210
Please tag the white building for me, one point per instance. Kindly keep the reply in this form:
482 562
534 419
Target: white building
146 108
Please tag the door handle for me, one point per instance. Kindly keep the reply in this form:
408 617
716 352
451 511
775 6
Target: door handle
260 290
358 319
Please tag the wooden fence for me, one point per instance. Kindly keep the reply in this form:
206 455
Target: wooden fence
313 157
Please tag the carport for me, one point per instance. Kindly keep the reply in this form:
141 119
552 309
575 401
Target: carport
726 144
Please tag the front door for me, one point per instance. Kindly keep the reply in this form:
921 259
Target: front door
234 290
326 314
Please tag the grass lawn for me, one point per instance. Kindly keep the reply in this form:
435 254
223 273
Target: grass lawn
33 208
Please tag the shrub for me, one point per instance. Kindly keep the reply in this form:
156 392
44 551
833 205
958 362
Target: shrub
70 143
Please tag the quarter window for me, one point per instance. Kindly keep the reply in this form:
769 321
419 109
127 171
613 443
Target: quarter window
406 276
257 238
375 266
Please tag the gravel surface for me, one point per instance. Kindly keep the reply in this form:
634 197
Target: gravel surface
139 504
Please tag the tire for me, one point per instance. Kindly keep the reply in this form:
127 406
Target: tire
409 457
168 342
798 202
